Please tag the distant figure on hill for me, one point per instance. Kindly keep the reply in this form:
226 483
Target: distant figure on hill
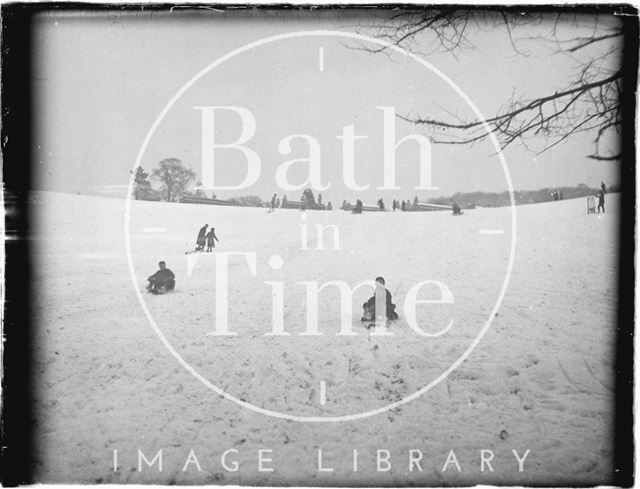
601 201
603 187
456 209
273 203
202 238
358 208
369 307
381 204
162 281
211 239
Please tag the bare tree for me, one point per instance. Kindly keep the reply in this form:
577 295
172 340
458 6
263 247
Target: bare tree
174 178
590 101
250 201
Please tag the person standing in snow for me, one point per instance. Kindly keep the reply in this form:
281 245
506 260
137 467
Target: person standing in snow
202 238
601 201
211 239
273 203
358 208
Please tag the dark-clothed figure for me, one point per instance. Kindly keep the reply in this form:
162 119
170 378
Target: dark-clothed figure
601 200
202 238
273 202
403 206
456 209
358 208
211 239
381 204
369 307
161 281
329 206
603 187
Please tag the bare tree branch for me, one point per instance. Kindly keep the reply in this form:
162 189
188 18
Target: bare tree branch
589 103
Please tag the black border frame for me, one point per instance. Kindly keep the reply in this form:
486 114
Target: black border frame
17 460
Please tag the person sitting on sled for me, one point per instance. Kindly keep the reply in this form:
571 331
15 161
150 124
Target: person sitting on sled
162 281
369 307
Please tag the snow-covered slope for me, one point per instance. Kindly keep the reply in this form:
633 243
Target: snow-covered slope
540 379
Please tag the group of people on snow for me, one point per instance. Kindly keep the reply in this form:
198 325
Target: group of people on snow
306 202
164 280
206 238
556 195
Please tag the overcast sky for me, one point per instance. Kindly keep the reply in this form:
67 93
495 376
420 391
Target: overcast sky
102 80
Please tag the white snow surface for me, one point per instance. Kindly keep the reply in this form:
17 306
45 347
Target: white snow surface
541 378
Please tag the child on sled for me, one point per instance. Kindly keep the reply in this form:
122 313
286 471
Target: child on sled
369 307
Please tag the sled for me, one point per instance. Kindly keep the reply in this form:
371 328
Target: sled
160 291
370 322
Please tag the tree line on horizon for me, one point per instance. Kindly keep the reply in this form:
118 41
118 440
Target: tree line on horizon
175 181
501 199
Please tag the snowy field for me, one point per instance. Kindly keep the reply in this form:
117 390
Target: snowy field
540 379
